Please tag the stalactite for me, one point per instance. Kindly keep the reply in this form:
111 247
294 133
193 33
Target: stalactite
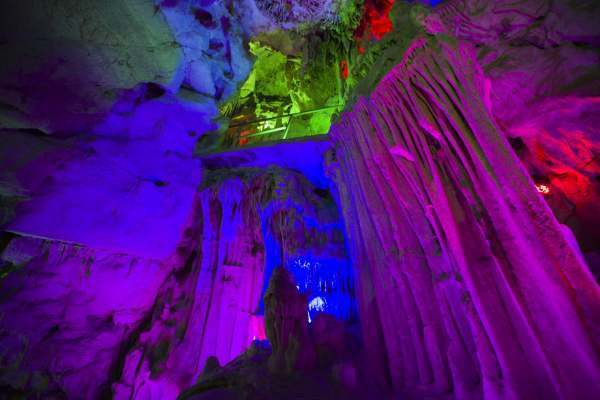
206 310
236 270
460 261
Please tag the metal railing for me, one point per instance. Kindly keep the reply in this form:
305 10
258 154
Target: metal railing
276 128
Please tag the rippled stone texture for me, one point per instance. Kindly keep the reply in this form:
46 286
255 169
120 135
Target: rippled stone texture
467 281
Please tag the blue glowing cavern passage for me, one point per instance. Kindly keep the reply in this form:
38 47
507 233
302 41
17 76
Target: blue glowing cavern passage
299 199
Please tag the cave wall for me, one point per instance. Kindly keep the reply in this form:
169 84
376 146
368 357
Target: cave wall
66 62
134 279
87 323
463 273
101 106
207 307
540 60
65 311
121 326
212 307
129 187
303 232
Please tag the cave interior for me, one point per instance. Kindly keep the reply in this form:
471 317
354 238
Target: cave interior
300 199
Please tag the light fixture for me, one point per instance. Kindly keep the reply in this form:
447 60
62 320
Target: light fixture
543 189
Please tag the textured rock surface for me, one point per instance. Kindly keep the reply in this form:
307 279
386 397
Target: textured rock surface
206 308
560 147
247 377
211 35
541 62
65 312
133 84
290 14
213 311
148 326
129 187
65 62
435 202
467 285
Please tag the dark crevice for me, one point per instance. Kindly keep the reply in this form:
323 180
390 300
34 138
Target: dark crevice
116 368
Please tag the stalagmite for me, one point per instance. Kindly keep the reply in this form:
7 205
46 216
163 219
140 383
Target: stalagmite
286 325
459 260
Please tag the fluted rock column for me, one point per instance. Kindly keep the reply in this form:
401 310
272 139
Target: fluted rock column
458 258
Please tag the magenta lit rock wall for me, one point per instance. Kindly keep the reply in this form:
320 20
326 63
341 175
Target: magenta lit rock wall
66 310
541 67
466 282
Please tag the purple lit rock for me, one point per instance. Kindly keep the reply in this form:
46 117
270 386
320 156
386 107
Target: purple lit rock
467 281
540 63
66 310
127 187
132 269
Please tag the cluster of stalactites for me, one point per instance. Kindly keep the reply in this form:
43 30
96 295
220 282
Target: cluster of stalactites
288 14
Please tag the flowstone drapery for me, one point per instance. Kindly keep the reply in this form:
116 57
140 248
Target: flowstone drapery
460 262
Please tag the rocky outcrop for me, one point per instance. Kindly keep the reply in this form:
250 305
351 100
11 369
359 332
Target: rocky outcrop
66 62
121 279
540 61
560 147
148 326
302 230
128 187
100 109
248 377
294 13
464 273
211 35
286 325
210 312
65 312
206 308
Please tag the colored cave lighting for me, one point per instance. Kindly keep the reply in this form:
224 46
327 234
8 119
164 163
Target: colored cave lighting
317 304
375 20
344 69
327 284
543 189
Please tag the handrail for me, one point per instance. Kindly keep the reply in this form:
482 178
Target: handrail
265 132
284 115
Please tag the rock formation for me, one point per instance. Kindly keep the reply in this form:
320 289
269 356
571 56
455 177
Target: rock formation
457 253
540 65
286 325
202 302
